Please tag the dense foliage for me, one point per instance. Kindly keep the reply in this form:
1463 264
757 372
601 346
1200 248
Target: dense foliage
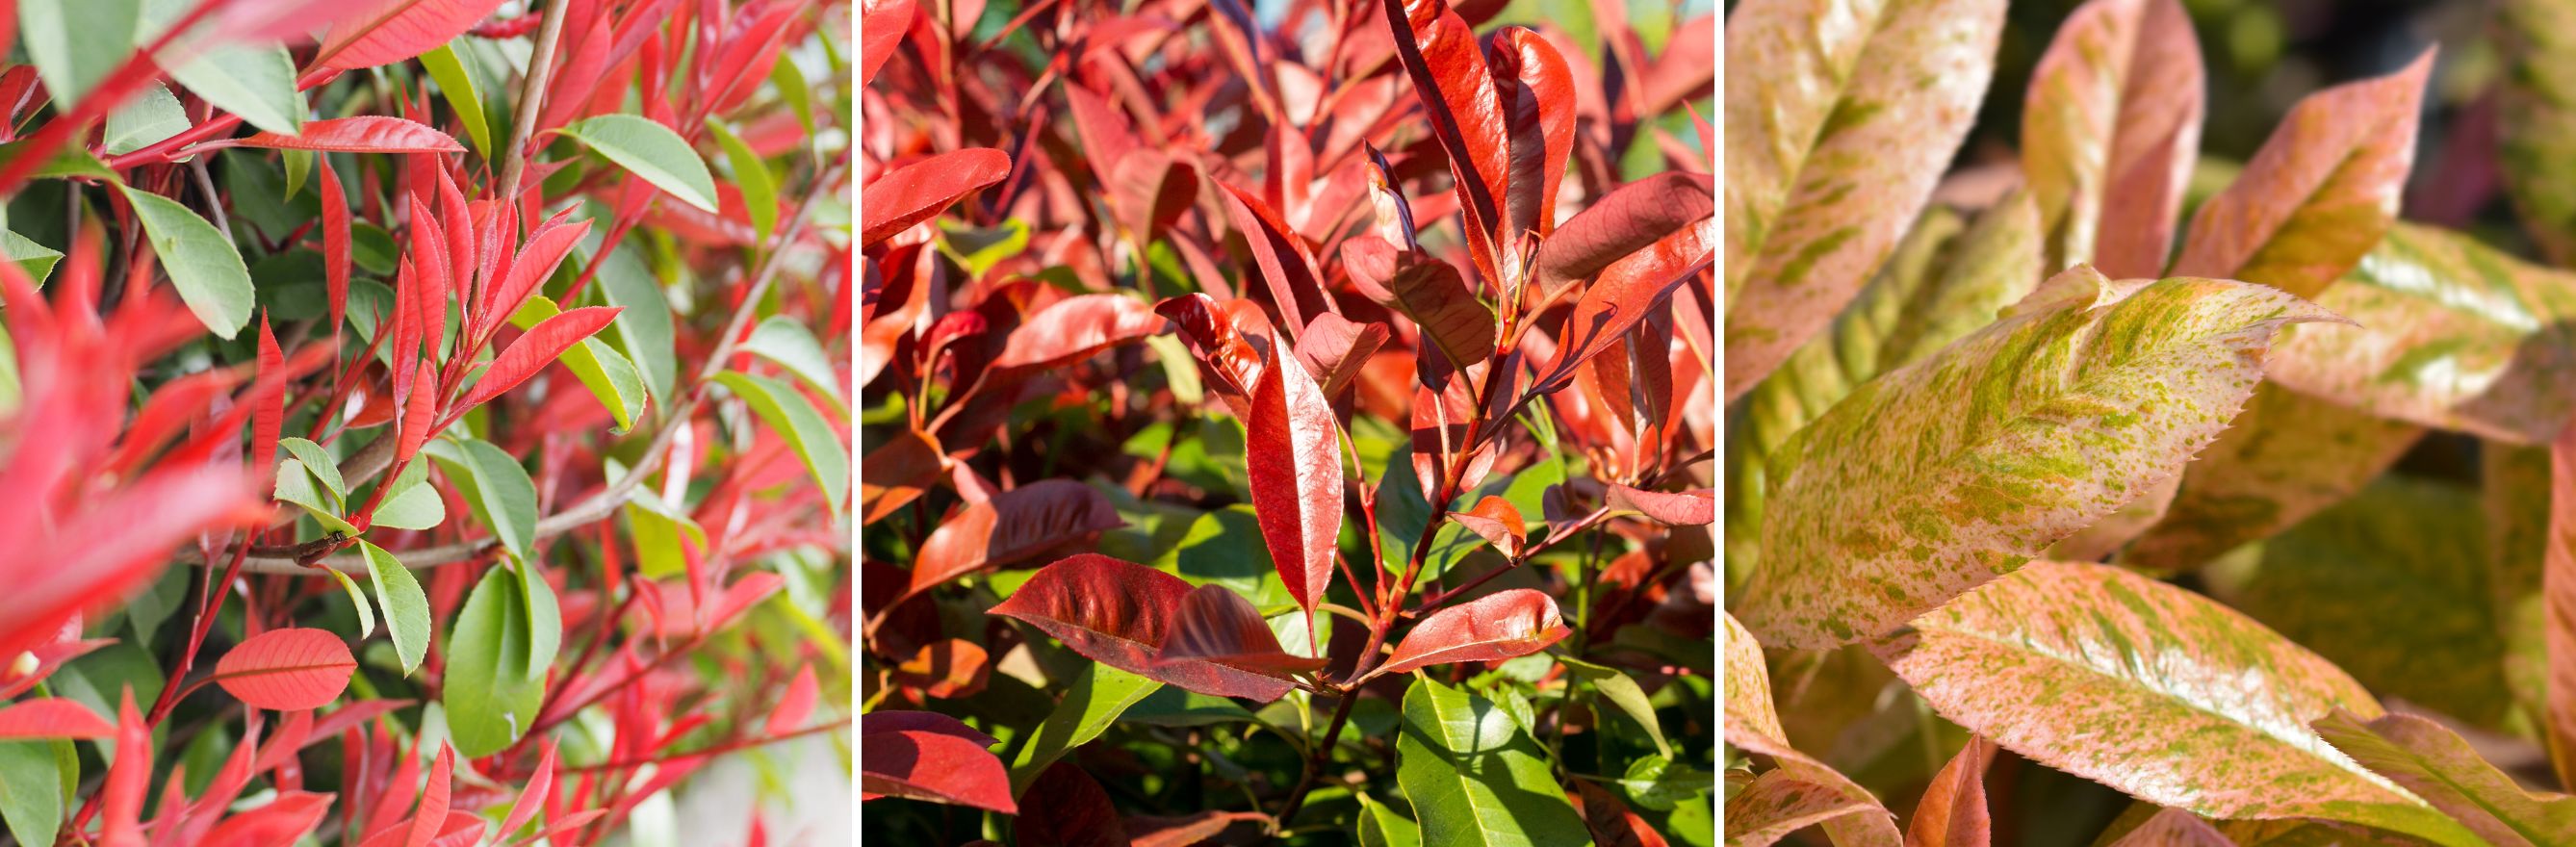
2200 501
405 437
1295 428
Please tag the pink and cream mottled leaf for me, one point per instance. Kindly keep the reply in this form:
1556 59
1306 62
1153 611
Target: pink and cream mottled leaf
2110 131
2439 766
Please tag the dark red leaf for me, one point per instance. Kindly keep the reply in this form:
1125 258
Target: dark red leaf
1625 293
1537 95
1498 522
1439 53
935 767
1292 456
1630 218
893 720
1107 137
287 669
52 717
1115 612
1073 812
283 821
1338 349
1285 266
362 134
1502 625
1012 526
1431 292
1696 507
1075 328
1611 822
1149 189
1232 362
1218 644
898 471
335 243
919 191
881 28
1186 830
536 349
396 30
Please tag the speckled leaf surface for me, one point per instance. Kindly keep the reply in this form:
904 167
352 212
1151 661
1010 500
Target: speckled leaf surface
2285 457
1753 724
1843 115
2152 690
2019 435
2174 828
1776 804
2439 766
2319 193
2514 484
2536 118
2452 334
1748 683
2109 131
2410 614
2558 596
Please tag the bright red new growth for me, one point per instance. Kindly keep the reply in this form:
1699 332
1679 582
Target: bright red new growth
362 134
287 669
1501 625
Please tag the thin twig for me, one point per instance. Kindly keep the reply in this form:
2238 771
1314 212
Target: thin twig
532 96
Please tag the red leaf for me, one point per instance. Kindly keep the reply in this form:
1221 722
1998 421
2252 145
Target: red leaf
536 260
798 703
282 821
536 349
121 799
287 669
1501 625
363 134
268 401
541 783
919 191
1337 348
1075 328
1696 507
52 717
898 471
1149 189
1626 292
1231 362
419 412
1439 53
1498 522
1630 218
1077 812
881 28
936 767
1113 611
280 749
335 243
1185 830
397 30
1537 95
1431 292
1218 644
893 720
432 817
1611 822
1292 455
1013 525
1953 811
947 668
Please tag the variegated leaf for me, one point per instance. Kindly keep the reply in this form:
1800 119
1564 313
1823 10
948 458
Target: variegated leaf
2438 765
2285 457
1753 724
2174 828
1777 804
1844 113
2536 118
2152 690
2453 335
2514 485
2109 132
2018 435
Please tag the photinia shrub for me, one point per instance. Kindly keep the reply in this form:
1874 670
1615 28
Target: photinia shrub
1296 427
405 437
2201 502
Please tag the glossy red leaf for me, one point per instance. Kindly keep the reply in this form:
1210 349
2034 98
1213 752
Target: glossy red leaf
934 723
947 668
1009 527
541 783
1953 810
1440 55
1502 625
529 268
1230 362
1627 291
395 30
1697 507
1218 644
1186 830
1116 612
128 776
1077 813
284 820
287 669
1107 137
1630 218
536 349
335 242
919 191
936 767
1498 522
1292 456
1536 90
1337 348
881 28
52 717
362 134
419 412
897 472
1285 266
268 400
798 703
1148 190
432 817
1076 327
1431 292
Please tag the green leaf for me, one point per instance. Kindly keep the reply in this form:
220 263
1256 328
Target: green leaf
319 463
406 607
788 412
414 504
489 700
2152 690
1224 547
1383 826
2438 764
457 87
1180 707
36 259
1095 700
299 168
77 43
659 528
256 83
792 88
31 791
494 484
200 260
652 151
1625 694
751 175
357 600
644 328
295 485
783 340
545 623
1474 778
980 248
2023 433
69 161
609 376
150 118
2536 118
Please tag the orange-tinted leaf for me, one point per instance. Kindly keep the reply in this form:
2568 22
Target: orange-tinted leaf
1149 189
1439 54
1856 111
1626 292
434 796
287 669
2438 765
1337 348
1536 93
1231 362
396 30
934 723
1502 625
1498 522
937 767
1292 456
1075 328
1218 644
2109 133
897 472
1953 811
1696 507
1009 527
1116 612
951 667
1071 811
919 191
362 134
1186 830
2320 193
536 349
52 717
